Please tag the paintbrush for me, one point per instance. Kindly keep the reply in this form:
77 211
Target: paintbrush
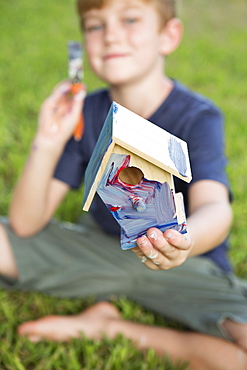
75 71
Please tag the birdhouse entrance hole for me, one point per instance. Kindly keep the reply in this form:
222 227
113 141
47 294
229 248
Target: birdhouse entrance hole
131 175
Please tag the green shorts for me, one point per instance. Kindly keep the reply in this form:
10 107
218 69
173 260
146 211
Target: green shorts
68 260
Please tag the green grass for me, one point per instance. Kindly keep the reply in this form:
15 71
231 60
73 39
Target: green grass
33 58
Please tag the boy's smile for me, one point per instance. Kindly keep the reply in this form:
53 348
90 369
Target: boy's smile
114 55
123 41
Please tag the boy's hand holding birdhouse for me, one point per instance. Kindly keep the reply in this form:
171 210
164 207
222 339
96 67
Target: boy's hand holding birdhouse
162 251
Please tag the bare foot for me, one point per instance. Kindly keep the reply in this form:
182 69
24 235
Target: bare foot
92 322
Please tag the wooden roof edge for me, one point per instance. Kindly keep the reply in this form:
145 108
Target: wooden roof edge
173 171
88 198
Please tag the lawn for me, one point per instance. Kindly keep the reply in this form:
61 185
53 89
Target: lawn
33 58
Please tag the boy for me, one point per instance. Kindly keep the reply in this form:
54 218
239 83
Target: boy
126 42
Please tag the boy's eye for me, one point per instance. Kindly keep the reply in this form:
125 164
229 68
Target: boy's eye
93 27
130 20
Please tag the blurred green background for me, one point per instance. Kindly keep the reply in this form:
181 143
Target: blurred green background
33 58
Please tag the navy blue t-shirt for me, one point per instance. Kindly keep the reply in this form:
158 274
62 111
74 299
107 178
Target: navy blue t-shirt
185 114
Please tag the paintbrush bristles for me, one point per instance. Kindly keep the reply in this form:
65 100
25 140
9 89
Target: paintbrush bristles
75 61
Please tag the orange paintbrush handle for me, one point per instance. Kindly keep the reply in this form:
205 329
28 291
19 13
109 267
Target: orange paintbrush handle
78 132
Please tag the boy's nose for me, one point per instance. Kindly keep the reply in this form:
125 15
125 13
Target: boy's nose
113 33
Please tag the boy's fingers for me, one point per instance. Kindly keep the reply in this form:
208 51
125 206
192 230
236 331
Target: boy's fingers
152 264
169 239
78 102
151 257
163 251
139 253
80 95
60 95
63 86
181 241
60 102
154 246
146 248
59 92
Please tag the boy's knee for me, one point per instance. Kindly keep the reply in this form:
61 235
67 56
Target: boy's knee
238 332
8 265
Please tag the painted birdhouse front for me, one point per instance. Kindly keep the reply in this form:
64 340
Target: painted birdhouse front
132 169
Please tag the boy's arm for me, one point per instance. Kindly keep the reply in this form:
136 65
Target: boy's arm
210 215
208 225
37 193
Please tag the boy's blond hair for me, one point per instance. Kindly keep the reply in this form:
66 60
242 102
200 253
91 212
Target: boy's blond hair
165 8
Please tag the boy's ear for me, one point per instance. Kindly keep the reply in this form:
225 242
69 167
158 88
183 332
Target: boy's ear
171 36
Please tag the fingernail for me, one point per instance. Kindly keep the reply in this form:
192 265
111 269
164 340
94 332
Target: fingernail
153 235
64 88
142 240
54 127
80 95
169 236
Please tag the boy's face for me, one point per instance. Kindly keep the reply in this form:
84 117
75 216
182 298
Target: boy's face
123 41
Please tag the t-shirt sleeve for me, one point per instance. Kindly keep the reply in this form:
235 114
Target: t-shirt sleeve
70 168
206 146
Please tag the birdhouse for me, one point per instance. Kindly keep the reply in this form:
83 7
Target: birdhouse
132 169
